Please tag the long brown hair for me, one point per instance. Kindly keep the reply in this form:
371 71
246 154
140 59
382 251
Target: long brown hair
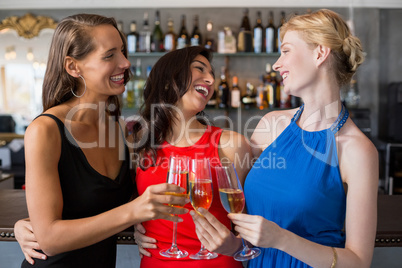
72 38
168 81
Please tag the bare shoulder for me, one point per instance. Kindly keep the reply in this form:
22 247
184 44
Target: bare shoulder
233 144
358 156
269 128
233 141
354 143
44 128
235 147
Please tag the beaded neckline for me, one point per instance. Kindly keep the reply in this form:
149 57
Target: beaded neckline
336 126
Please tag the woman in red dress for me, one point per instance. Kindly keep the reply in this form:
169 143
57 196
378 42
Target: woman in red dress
172 122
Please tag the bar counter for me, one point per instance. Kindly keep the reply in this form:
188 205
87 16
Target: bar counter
389 224
13 208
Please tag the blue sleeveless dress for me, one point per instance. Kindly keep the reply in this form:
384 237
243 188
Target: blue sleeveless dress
296 183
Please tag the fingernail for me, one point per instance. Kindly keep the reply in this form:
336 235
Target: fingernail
43 257
192 213
180 220
201 210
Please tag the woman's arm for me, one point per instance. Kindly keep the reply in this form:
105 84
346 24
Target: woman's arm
45 202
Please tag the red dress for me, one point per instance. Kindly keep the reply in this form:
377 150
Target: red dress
162 230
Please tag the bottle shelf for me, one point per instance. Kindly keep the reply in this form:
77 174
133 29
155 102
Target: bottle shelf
216 54
135 110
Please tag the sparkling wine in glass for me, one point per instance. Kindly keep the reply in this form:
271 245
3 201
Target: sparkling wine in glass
201 194
177 174
232 199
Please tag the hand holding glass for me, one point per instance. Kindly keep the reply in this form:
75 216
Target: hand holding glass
177 174
232 199
201 194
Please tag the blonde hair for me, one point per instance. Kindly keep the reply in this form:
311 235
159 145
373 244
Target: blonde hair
325 27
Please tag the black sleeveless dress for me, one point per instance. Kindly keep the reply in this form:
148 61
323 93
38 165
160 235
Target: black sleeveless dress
87 193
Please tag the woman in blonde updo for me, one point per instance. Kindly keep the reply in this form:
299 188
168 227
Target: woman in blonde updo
319 206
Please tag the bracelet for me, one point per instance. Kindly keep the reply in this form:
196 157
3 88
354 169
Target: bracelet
335 258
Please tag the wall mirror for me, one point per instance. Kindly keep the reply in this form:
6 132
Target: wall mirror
24 46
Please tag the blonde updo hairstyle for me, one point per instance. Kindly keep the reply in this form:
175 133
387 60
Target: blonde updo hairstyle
325 27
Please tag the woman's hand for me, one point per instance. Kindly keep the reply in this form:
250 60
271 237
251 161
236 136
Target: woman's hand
27 241
143 241
257 230
153 203
213 234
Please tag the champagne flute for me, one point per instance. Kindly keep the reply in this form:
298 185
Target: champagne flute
177 174
232 199
201 194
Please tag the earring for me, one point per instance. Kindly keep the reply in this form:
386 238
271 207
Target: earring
85 89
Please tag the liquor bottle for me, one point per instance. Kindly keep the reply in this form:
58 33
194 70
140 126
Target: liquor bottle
132 38
149 69
278 38
245 38
139 83
295 101
230 41
262 95
271 86
258 35
235 94
209 40
284 97
249 99
169 42
120 26
157 35
270 34
353 97
144 42
223 89
213 101
128 95
182 37
196 38
277 89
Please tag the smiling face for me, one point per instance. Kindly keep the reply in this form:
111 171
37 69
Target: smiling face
104 68
201 87
296 64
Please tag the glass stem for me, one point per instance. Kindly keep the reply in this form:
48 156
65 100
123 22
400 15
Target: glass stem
203 249
246 250
174 239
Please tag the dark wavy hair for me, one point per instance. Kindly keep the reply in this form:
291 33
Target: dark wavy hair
72 38
168 81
